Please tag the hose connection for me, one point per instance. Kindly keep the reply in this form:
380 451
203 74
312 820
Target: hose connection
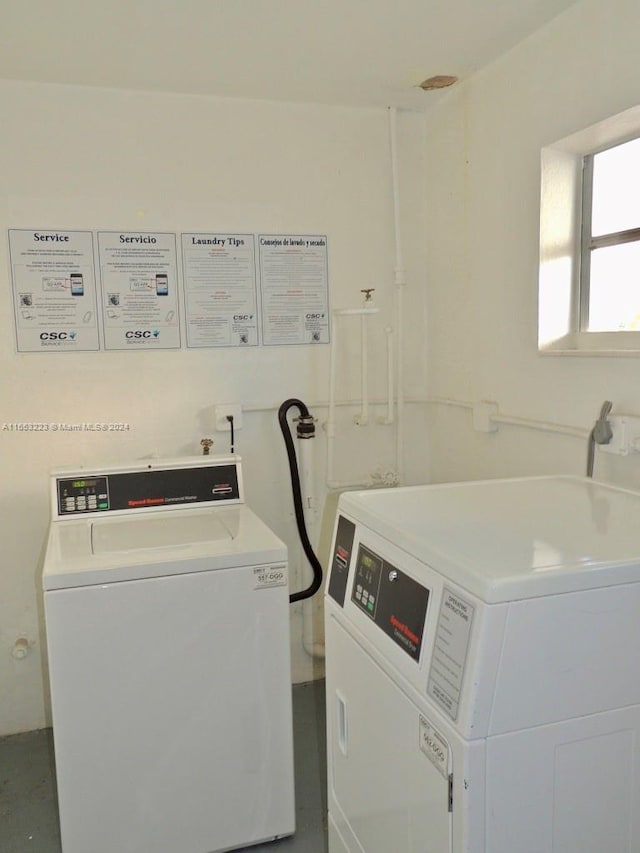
305 429
305 426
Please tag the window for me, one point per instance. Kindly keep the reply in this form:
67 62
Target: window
610 250
589 293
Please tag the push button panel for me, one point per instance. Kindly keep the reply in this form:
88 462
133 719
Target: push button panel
393 600
148 489
339 571
83 495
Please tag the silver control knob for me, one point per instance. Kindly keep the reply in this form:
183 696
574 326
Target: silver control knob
393 575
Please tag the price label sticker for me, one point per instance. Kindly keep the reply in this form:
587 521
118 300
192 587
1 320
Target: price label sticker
264 577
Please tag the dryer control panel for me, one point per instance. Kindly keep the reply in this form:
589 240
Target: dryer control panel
392 599
147 488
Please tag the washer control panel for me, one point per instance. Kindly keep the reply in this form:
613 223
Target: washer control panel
148 488
83 495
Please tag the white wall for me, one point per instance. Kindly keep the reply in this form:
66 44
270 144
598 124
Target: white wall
482 195
76 158
80 158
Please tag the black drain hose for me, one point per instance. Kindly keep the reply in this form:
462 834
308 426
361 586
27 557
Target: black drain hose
306 430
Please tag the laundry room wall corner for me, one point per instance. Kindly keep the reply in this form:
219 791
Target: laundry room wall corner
484 145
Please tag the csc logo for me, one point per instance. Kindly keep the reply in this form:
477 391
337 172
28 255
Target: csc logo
141 334
237 317
315 316
58 336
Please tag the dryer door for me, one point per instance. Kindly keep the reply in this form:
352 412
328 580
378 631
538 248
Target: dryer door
388 766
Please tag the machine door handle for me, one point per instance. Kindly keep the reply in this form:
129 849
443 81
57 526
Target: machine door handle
341 719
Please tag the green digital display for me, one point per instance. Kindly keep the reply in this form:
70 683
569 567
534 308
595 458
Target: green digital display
83 484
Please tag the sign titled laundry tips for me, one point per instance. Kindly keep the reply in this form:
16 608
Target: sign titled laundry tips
220 292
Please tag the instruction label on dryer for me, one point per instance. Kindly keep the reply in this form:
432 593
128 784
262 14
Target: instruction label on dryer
450 652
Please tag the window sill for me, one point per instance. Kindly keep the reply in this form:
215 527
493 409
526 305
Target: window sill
612 344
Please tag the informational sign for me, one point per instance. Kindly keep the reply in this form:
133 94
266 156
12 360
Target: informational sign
139 278
54 290
294 289
220 290
450 652
232 294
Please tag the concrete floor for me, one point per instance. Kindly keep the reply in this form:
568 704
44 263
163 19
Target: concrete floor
28 808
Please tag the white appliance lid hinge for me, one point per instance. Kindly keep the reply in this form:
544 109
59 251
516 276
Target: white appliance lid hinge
450 792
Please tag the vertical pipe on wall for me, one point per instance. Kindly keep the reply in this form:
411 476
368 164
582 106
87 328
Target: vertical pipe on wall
400 280
331 417
363 418
390 376
310 606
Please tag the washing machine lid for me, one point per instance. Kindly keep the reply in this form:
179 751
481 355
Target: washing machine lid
504 540
89 551
156 531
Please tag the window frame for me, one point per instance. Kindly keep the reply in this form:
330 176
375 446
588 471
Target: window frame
566 242
585 241
588 242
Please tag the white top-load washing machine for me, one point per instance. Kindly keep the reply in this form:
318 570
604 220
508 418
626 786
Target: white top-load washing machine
167 624
483 669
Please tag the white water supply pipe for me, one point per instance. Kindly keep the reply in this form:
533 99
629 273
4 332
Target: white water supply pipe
310 606
331 417
389 418
400 281
397 337
362 419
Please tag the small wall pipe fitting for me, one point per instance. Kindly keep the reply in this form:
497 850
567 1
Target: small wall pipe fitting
21 648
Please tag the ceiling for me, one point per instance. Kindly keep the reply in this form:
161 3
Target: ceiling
352 52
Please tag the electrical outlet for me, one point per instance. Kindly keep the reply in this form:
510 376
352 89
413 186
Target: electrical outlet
626 435
223 411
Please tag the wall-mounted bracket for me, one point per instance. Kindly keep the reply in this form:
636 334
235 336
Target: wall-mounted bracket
483 416
626 435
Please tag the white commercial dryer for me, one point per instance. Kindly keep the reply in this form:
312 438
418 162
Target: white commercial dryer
483 669
167 625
